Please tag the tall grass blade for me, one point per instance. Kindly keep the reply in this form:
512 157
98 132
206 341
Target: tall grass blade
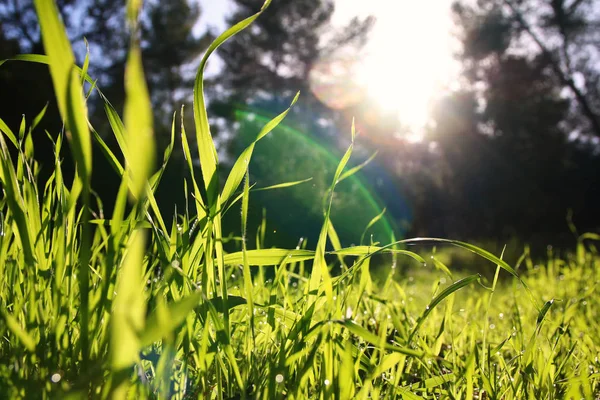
206 148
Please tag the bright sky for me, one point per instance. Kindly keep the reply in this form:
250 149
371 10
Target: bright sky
214 12
409 57
408 60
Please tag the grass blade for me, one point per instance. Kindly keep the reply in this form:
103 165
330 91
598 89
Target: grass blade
376 340
206 148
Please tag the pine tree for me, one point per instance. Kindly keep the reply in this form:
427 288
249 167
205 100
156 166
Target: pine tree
275 57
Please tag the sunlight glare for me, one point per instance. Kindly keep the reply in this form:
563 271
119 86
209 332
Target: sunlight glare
408 59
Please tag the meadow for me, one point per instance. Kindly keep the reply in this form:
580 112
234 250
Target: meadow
133 307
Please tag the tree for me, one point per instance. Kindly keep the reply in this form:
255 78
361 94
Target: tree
167 40
564 34
514 141
168 46
276 56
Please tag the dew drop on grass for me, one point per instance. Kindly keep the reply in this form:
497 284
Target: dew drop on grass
501 315
279 378
492 326
55 378
349 313
326 382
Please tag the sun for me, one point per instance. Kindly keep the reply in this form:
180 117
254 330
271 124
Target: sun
408 60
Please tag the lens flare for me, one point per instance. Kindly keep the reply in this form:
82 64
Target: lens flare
298 156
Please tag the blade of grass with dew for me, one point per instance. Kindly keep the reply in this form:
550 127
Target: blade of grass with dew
375 340
371 223
472 248
441 296
489 304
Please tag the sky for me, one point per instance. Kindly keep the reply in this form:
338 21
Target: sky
214 12
408 60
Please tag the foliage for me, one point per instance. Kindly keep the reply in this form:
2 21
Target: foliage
515 144
128 307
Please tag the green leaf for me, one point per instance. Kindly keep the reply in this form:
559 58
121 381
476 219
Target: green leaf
138 122
177 313
283 185
356 169
375 340
38 118
441 296
372 250
206 148
9 133
544 311
477 250
129 306
68 89
371 223
241 165
265 257
16 329
248 286
16 204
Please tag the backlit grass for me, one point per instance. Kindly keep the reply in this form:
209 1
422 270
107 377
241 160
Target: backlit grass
135 307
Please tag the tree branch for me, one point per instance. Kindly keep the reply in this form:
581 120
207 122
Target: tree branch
564 77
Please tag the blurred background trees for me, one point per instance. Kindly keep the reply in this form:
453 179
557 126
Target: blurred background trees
508 150
530 72
168 46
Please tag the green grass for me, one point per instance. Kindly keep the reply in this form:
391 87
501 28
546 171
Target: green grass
131 307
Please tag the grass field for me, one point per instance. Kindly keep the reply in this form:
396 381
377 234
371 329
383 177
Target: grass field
134 307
